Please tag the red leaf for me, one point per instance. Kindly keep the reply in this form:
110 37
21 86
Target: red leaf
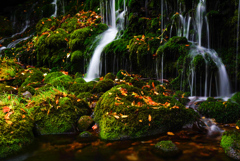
6 109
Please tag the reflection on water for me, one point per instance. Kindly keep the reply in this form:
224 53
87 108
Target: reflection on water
194 145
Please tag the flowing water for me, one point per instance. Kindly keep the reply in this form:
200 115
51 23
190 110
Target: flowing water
55 8
237 48
107 37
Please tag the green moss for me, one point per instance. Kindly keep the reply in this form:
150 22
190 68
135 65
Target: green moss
121 74
78 88
45 24
236 97
230 143
51 76
56 111
70 24
78 37
109 76
35 76
124 112
7 89
103 86
238 123
85 134
77 56
62 81
16 132
26 88
85 123
167 145
79 80
57 39
223 112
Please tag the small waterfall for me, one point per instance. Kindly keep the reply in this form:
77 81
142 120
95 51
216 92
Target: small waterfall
237 48
107 37
14 43
55 8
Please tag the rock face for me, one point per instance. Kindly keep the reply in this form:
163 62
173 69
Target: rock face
129 112
230 143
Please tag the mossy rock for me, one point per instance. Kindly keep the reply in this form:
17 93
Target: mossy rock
34 77
26 88
85 95
223 112
79 80
57 39
109 76
103 86
78 37
7 89
78 88
236 98
55 111
84 123
85 134
121 74
231 143
77 56
51 76
16 129
166 149
62 81
125 112
45 24
136 82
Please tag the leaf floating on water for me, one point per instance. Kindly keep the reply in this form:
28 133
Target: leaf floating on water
170 133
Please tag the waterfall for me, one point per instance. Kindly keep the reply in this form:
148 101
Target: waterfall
107 37
55 8
237 48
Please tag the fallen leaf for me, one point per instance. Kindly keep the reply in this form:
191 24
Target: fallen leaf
9 97
149 118
7 116
6 109
94 127
116 116
237 127
78 100
140 120
9 122
170 133
57 101
124 116
23 116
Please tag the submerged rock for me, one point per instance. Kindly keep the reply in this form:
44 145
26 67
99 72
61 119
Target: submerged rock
85 134
166 149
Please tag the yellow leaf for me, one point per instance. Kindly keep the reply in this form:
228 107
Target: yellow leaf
124 116
116 116
9 122
170 133
237 127
149 118
78 100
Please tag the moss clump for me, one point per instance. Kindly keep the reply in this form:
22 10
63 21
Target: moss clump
121 74
7 89
79 80
76 56
129 112
231 143
62 81
85 134
78 37
34 77
26 88
109 76
238 123
55 111
223 112
167 149
16 125
103 86
78 88
51 76
45 25
84 123
8 68
236 98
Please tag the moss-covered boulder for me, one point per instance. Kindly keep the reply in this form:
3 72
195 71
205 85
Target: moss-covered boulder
85 134
109 76
84 123
62 81
78 37
103 86
8 68
51 76
78 88
129 112
16 125
7 89
231 144
166 149
79 80
223 112
55 111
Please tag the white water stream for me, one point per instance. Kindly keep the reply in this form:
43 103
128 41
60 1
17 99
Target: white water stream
107 37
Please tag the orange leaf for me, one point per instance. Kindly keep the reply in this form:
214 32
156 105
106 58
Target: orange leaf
187 45
42 22
170 133
137 39
57 101
78 100
6 109
237 127
66 39
9 97
149 118
7 116
101 78
23 116
153 85
94 127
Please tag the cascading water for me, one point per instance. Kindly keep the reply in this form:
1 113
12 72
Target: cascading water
199 23
55 8
237 48
107 37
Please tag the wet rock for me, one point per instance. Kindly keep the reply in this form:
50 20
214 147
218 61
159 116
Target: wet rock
167 149
85 123
27 95
85 134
